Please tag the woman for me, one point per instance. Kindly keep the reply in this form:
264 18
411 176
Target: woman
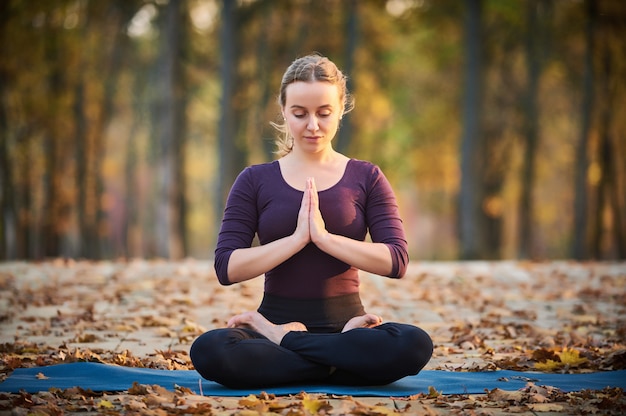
311 210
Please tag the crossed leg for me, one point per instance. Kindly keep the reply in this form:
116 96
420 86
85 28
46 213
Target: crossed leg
256 352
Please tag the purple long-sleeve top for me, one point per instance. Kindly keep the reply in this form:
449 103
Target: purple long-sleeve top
262 203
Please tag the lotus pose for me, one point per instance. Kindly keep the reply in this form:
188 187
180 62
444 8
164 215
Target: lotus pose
311 210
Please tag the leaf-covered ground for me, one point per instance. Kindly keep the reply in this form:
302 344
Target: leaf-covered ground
551 316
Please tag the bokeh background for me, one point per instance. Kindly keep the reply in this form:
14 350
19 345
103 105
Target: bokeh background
500 123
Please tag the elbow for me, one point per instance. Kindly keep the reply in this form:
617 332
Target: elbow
221 269
399 271
223 279
402 270
399 260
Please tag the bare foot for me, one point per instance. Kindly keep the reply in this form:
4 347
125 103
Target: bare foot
364 321
259 323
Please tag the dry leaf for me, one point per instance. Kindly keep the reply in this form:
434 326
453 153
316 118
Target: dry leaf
545 407
105 404
499 395
313 406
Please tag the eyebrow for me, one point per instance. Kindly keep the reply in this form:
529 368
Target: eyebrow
321 106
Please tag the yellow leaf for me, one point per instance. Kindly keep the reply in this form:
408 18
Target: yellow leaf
571 357
106 404
313 406
250 402
567 357
549 365
433 393
40 376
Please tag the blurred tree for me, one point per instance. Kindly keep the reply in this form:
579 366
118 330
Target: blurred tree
100 20
471 228
104 103
8 209
351 13
231 156
536 39
169 133
502 93
19 169
607 237
579 240
56 204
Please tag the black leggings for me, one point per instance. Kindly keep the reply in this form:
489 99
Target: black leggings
243 358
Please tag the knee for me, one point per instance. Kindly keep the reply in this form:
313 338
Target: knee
423 350
202 354
208 352
416 347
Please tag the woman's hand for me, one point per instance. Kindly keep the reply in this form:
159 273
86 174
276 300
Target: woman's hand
317 227
310 226
302 232
364 255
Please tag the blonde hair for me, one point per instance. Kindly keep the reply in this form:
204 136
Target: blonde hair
309 68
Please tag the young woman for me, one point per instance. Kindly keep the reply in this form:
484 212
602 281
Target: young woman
311 210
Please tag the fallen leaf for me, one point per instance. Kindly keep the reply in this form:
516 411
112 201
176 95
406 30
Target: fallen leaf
499 395
545 407
105 404
313 406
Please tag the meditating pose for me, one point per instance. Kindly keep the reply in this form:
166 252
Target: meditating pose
311 210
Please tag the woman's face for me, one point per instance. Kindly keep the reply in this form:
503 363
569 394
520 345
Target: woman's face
312 111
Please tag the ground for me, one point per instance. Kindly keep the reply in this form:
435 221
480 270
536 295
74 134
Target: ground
549 316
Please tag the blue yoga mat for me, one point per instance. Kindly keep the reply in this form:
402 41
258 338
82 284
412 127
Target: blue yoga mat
107 377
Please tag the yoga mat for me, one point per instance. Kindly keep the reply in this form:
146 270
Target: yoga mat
108 377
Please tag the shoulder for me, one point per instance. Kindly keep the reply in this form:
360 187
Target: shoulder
365 170
261 168
252 178
258 172
370 178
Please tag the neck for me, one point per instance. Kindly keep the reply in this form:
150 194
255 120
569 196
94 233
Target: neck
327 155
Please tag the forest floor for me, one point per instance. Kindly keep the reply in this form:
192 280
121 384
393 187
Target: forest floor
546 316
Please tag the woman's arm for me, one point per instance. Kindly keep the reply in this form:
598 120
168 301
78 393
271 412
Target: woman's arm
243 262
248 263
367 256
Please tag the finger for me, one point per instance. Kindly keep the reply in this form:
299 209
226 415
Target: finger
304 205
313 194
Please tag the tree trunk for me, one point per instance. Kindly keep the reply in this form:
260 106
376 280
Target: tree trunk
264 59
82 156
8 214
7 194
26 226
167 134
607 240
579 247
351 37
470 197
230 155
530 129
53 199
8 217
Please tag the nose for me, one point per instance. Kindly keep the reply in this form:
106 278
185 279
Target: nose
313 124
